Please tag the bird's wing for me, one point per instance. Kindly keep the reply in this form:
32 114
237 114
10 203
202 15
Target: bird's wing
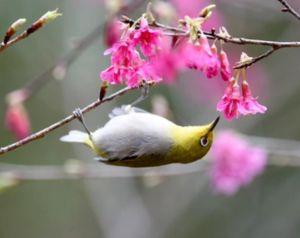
133 135
125 109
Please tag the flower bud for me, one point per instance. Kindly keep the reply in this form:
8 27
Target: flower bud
13 29
49 16
43 20
225 66
18 24
17 120
207 11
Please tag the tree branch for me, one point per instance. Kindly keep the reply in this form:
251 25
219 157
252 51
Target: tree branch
18 38
289 8
176 31
248 41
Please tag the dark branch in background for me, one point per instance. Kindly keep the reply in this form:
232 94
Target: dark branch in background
69 58
75 169
281 153
65 62
289 8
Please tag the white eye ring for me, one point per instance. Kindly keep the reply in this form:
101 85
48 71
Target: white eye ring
203 141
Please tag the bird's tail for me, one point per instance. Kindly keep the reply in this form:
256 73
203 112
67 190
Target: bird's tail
75 136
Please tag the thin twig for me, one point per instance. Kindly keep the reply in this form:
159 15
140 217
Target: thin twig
289 8
42 133
18 38
248 41
176 31
255 59
38 24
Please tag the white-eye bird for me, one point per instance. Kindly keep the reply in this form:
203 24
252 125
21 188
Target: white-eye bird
136 138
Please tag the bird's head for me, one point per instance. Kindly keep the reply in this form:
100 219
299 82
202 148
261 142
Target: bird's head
192 143
206 133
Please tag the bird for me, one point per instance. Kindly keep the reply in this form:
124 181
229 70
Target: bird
137 138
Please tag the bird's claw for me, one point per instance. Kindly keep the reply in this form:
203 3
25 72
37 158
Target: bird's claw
144 94
78 114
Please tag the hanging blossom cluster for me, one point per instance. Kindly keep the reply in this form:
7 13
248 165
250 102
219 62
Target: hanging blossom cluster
148 54
235 163
236 101
127 65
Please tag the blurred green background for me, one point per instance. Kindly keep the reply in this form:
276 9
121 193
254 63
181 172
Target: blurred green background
176 206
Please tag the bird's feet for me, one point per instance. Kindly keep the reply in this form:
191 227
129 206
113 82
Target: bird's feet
78 114
144 87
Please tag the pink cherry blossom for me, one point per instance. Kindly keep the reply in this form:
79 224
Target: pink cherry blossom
123 54
212 64
192 55
126 63
225 66
167 62
148 73
149 39
201 56
17 121
145 72
250 104
230 103
112 75
235 163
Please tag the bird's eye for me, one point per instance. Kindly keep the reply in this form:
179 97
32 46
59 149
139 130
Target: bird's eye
203 141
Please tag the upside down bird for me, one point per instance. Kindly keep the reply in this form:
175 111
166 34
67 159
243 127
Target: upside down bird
136 138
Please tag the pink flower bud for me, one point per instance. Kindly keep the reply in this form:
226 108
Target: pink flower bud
17 121
205 45
212 64
225 66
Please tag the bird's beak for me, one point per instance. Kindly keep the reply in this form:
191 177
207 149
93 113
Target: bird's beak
214 123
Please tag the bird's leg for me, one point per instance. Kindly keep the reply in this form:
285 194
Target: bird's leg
144 94
78 114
